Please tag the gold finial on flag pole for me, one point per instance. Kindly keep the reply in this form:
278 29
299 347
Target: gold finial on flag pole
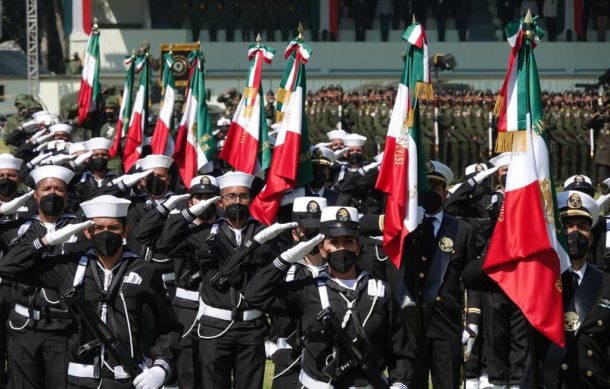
258 40
528 17
413 19
528 21
300 31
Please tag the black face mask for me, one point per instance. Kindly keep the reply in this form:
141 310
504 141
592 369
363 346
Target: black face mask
8 187
209 213
110 117
578 245
307 237
319 179
503 180
237 212
107 243
99 164
155 185
51 204
355 159
342 261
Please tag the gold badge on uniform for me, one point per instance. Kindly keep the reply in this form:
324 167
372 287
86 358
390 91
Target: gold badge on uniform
313 207
479 167
579 179
205 180
343 215
429 167
446 244
571 320
574 201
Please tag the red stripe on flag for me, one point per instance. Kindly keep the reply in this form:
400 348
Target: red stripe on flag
116 143
333 14
87 25
240 149
134 140
84 101
185 157
525 265
159 138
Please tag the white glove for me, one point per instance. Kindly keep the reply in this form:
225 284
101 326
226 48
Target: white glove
297 252
150 378
175 200
602 202
363 170
480 176
379 157
64 234
472 383
40 137
397 386
323 144
341 152
454 188
421 212
41 157
201 206
80 160
467 334
131 179
10 207
58 159
47 145
272 231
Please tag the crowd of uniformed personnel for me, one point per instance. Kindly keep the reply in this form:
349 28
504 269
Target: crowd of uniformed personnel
191 291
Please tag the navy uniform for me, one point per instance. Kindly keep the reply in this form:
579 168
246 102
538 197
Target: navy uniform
39 321
322 159
116 284
432 278
584 362
159 225
286 332
355 159
362 305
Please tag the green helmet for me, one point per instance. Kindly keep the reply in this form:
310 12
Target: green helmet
112 101
23 99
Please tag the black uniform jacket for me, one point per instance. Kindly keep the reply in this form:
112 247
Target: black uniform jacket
389 343
133 285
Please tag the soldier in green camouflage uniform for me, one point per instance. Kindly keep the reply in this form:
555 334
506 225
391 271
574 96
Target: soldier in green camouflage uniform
570 157
427 128
381 121
349 112
479 120
554 125
461 157
450 150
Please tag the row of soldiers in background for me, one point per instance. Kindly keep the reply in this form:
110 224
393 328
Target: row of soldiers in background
239 268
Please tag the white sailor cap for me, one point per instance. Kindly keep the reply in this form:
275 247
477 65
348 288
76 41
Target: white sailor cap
155 161
339 221
580 183
46 118
322 156
60 127
76 147
105 206
575 203
40 114
502 159
439 171
289 197
98 143
55 171
235 179
203 185
354 140
307 211
7 161
336 134
475 168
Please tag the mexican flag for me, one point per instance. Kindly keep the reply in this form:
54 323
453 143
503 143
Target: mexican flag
161 142
247 145
569 17
137 122
126 105
77 16
89 94
402 173
195 146
527 252
324 16
291 160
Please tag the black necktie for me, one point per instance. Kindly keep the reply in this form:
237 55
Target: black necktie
570 288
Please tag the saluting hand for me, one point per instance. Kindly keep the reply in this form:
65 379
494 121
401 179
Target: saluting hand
272 231
299 251
202 205
64 234
10 207
174 200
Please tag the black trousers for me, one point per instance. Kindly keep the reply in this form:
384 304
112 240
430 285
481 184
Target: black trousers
441 358
5 308
37 359
506 339
289 378
188 361
234 360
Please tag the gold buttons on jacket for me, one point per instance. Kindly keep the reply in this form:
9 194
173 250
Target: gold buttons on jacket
439 298
589 373
600 323
421 275
590 353
424 258
564 366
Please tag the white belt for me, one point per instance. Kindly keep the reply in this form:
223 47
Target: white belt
227 315
88 371
168 277
311 383
187 294
24 311
282 344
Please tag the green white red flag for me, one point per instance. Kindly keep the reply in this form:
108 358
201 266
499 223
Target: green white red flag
137 122
527 252
162 142
247 145
126 105
402 174
291 160
195 145
89 94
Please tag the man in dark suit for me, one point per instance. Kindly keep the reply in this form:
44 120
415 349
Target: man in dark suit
583 363
434 257
321 160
